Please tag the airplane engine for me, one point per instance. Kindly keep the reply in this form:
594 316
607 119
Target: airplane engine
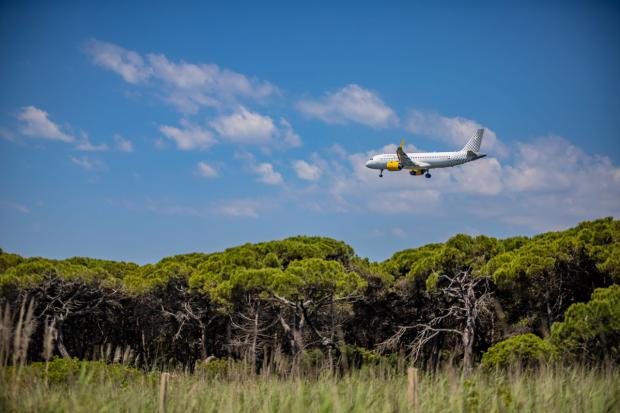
416 172
394 166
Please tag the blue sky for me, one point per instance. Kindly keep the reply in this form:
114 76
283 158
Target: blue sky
134 132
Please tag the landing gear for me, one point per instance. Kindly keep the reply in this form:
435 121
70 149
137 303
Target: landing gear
428 175
381 174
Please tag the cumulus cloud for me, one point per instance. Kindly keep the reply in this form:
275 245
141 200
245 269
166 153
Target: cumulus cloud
88 164
245 127
545 184
306 171
352 103
267 174
36 124
188 137
126 63
453 130
122 144
187 86
206 170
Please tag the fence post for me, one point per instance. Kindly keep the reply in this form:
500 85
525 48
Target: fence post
163 392
413 389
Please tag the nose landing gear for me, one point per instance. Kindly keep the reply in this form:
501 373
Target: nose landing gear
381 174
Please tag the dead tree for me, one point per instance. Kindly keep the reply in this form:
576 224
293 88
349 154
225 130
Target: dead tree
461 305
251 330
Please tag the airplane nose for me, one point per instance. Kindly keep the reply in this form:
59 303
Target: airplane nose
368 164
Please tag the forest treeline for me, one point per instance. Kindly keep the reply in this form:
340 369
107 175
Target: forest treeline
554 296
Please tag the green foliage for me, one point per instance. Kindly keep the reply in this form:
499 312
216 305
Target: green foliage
149 277
431 282
591 331
27 272
459 253
359 356
525 350
546 274
609 262
310 278
8 260
215 369
66 371
271 260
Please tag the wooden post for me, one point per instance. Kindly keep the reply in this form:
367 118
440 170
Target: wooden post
413 389
163 392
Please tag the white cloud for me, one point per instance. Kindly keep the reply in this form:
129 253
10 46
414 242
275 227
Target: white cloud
453 130
206 170
190 137
36 124
306 171
268 175
126 63
88 164
87 146
350 104
122 144
289 138
15 206
187 86
245 126
556 181
546 184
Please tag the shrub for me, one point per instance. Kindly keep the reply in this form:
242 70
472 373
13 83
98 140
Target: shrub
526 350
215 369
67 371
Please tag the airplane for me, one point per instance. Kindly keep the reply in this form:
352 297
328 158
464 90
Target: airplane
420 163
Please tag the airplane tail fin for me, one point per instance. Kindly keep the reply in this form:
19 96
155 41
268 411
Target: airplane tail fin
473 144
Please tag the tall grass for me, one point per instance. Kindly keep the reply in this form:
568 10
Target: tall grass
558 390
227 386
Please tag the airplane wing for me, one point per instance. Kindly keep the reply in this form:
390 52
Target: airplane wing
406 161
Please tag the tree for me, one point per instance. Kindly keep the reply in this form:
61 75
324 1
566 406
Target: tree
591 331
460 307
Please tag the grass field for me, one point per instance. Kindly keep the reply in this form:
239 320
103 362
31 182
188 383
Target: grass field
367 390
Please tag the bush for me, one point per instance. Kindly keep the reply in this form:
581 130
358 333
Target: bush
215 369
67 371
526 350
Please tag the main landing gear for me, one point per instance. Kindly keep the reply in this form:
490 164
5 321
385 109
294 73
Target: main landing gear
428 175
381 174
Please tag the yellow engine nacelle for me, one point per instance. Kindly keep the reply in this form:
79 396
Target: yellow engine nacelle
416 172
394 166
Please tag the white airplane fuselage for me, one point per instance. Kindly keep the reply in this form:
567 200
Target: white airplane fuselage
430 160
419 163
